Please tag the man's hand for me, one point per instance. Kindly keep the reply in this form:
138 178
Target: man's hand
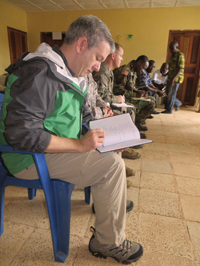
161 93
141 94
92 139
108 112
121 99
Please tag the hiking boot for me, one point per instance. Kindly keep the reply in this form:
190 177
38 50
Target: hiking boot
142 136
165 112
143 122
129 171
155 112
138 147
125 253
130 154
150 117
129 183
129 206
140 127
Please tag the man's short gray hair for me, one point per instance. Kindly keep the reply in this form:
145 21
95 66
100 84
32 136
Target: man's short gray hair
92 28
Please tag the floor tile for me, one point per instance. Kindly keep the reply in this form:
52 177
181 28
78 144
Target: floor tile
164 234
163 259
176 140
157 146
25 211
155 154
188 185
180 157
156 138
185 169
191 207
194 232
158 181
180 148
156 166
39 250
160 202
12 240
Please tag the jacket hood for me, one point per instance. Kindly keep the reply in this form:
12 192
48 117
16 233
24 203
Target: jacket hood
44 51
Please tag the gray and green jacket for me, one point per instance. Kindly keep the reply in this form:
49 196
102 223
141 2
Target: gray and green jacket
42 98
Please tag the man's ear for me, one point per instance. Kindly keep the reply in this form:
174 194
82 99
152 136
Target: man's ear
113 56
81 45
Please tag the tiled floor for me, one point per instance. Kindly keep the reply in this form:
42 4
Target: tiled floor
165 218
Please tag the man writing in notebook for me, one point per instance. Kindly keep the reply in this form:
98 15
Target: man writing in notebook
43 102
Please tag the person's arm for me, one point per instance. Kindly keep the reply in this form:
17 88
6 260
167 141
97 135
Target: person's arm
91 140
176 75
181 65
33 100
103 89
152 88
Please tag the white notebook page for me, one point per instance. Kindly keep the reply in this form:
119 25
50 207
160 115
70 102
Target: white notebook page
117 129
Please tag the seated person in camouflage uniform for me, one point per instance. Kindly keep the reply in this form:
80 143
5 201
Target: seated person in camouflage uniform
143 82
105 80
99 109
125 78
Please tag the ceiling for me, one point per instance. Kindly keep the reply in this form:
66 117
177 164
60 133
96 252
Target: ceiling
67 5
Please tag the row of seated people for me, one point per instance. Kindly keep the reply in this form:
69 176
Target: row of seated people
107 87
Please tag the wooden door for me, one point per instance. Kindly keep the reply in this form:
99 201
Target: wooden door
189 44
17 43
47 37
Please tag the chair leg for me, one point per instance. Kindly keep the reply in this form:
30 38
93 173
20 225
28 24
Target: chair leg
59 217
31 193
2 197
87 195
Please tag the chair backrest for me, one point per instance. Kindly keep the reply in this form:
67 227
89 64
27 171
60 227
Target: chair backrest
1 102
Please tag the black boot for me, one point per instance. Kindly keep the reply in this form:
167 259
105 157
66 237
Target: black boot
140 127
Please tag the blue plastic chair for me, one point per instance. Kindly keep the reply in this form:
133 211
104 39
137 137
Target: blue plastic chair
57 194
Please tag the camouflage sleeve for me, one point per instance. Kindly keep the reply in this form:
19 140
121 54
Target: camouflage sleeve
120 80
99 101
104 91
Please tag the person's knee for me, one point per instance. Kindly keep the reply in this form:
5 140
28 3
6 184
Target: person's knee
115 163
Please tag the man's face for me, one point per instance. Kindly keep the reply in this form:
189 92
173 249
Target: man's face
164 69
173 48
152 67
90 60
118 57
141 66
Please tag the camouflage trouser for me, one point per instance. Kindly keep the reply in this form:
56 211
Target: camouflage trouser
131 111
143 108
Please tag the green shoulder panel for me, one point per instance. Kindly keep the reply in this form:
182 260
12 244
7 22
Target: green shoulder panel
13 161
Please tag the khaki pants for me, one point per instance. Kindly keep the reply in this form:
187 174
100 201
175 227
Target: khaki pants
105 173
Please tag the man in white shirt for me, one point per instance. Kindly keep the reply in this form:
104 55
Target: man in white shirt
159 79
